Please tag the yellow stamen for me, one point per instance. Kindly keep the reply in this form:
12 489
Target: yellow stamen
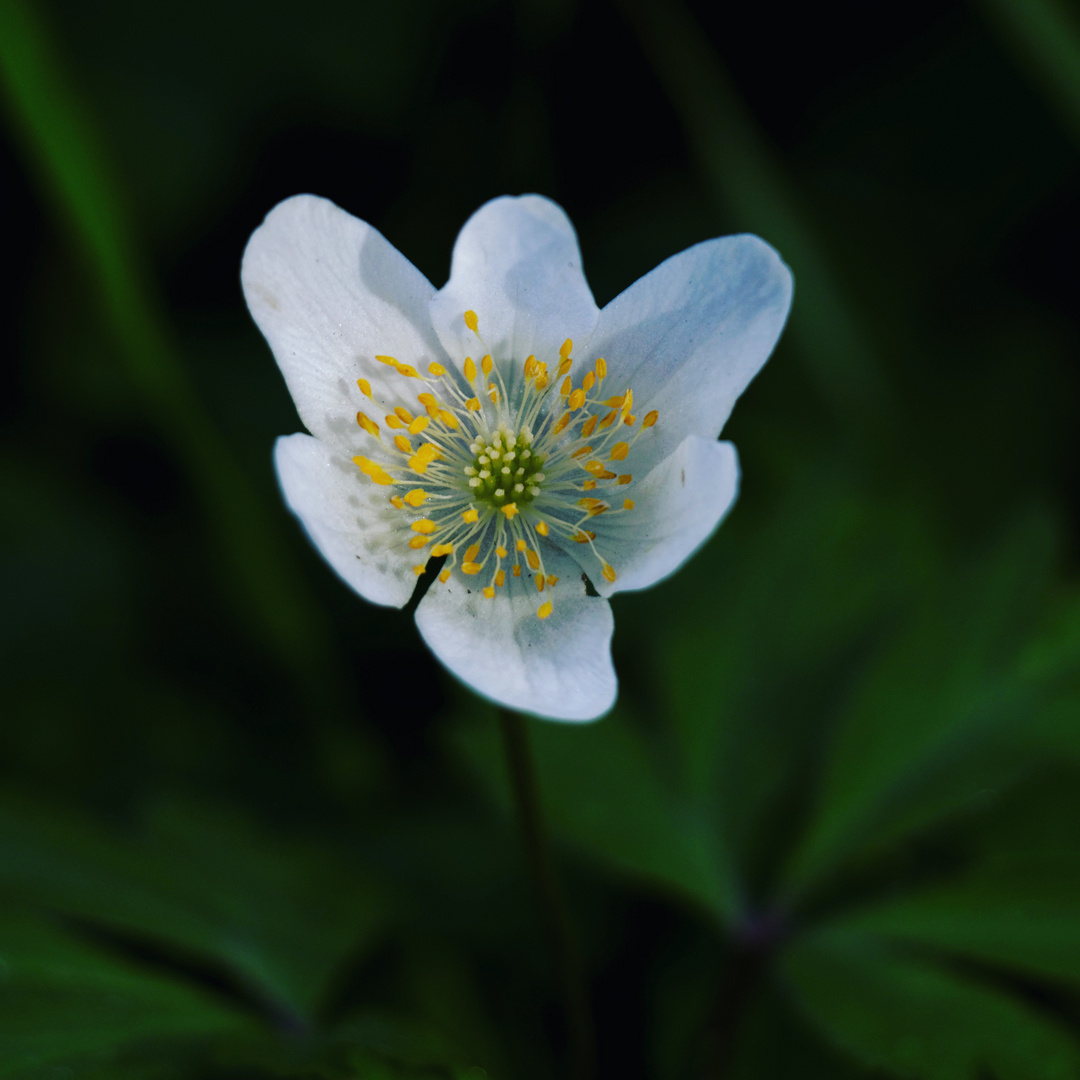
374 470
517 570
418 541
521 545
625 478
471 568
539 582
444 577
471 321
471 553
577 399
530 366
486 365
427 400
545 610
589 426
609 419
500 578
589 381
425 526
367 424
473 404
615 402
566 348
407 370
471 516
489 592
551 581
365 387
583 536
501 551
628 504
449 419
403 415
650 419
628 420
542 528
393 422
533 559
470 369
619 451
418 425
416 497
403 444
589 485
564 367
601 368
418 570
386 360
567 385
561 424
438 371
510 509
442 549
398 501
581 453
609 572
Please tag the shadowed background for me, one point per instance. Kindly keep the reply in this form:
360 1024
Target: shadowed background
249 828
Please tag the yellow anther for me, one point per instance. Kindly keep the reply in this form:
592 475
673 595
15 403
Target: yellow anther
418 542
471 568
365 387
628 404
500 578
403 415
437 370
520 545
449 419
595 467
583 536
619 451
581 452
473 404
418 570
500 551
442 549
567 385
407 370
489 592
425 526
589 381
386 360
608 572
551 581
596 511
471 552
471 321
628 504
418 463
609 419
565 366
471 516
493 393
393 422
545 610
367 424
426 399
615 402
444 577
625 478
486 364
416 497
517 570
650 419
398 501
590 503
577 398
403 444
510 509
565 348
470 369
530 366
561 424
532 559
419 424
629 419
589 426
374 470
589 485
539 582
601 368
542 528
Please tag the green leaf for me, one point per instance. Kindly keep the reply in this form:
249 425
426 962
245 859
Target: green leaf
1021 912
604 790
914 1019
281 916
61 1000
940 718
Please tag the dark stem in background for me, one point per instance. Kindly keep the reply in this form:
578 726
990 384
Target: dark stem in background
519 761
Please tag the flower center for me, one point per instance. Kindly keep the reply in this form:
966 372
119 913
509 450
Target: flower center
505 469
501 472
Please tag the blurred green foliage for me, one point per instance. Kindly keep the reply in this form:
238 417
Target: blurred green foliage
249 830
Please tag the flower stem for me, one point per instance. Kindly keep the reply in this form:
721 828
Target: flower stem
519 761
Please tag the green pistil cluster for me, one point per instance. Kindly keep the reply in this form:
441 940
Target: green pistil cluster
505 470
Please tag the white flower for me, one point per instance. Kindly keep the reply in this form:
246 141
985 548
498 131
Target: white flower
508 424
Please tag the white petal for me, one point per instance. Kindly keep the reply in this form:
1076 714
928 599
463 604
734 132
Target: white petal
330 293
348 518
677 507
690 335
518 266
559 667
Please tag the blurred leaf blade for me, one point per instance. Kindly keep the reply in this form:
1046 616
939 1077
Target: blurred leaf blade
49 114
911 1018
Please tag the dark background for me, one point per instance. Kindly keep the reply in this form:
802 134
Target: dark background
248 826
